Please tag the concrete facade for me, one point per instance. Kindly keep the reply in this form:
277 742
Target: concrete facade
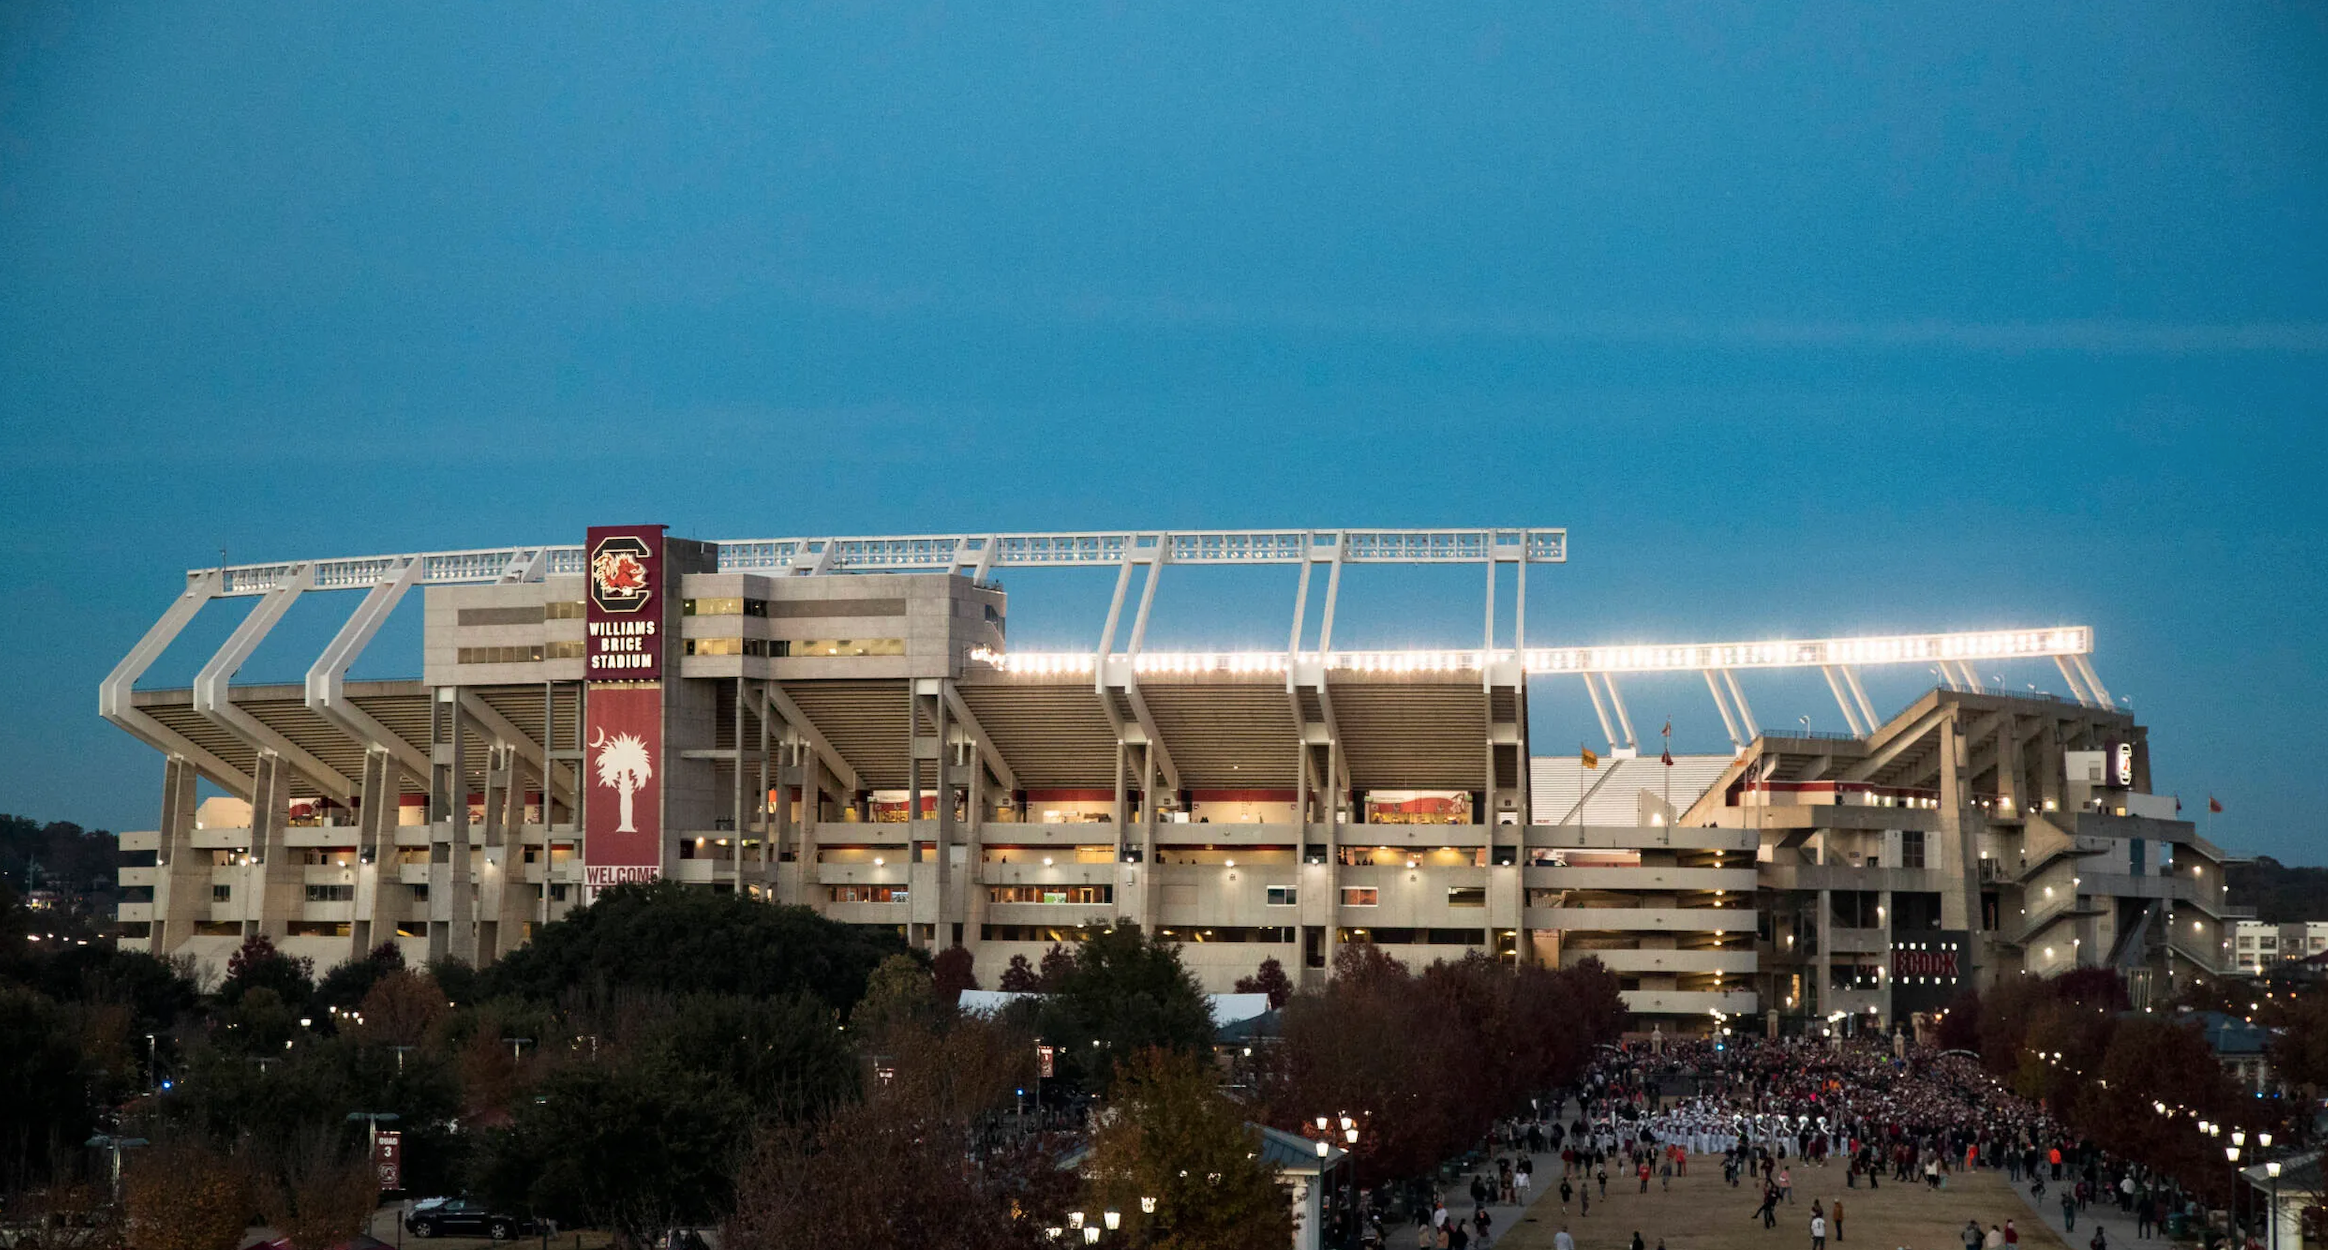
866 745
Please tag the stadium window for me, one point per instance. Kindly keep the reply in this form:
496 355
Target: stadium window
869 894
331 894
1467 896
1283 896
1361 896
715 646
713 607
821 647
1911 848
564 610
499 655
568 650
222 894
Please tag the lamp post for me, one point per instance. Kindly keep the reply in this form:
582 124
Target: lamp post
2232 1153
2272 1170
109 1142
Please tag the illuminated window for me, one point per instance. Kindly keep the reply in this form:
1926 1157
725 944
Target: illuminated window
822 647
1361 896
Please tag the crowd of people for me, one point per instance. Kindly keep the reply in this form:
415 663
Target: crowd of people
1764 1110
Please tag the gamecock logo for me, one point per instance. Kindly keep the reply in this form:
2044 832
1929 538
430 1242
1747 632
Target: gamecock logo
619 580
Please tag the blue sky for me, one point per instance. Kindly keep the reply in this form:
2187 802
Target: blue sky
1804 320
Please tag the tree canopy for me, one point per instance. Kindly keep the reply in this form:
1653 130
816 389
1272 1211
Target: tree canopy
668 937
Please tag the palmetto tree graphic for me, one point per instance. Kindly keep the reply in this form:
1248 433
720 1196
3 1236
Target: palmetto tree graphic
623 765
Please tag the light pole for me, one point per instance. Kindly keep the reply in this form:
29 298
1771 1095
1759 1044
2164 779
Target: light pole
2231 1152
116 1145
2272 1170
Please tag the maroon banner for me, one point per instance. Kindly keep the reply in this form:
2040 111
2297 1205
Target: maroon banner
623 624
388 1160
623 829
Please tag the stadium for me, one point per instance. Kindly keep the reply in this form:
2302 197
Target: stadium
839 723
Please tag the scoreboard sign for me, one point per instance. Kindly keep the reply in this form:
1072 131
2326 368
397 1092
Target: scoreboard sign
1928 970
623 640
623 657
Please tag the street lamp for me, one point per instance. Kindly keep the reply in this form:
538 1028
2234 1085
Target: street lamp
1147 1205
1114 1220
2232 1153
107 1141
1091 1234
2272 1170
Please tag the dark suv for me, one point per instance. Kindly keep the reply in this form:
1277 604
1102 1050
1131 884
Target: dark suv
436 1217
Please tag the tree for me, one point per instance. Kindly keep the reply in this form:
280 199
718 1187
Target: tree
1122 993
42 1106
1268 979
2299 1051
320 1192
1020 978
1058 962
904 1169
256 964
953 971
898 992
784 1055
186 1196
401 1009
1173 1136
668 937
636 1147
346 984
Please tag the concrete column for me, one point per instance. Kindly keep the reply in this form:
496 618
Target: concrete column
2010 791
1822 969
974 857
452 909
949 899
1883 913
280 874
182 895
1958 856
378 906
505 892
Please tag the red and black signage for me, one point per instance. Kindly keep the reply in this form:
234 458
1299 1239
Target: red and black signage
623 712
623 624
623 823
388 1160
1935 961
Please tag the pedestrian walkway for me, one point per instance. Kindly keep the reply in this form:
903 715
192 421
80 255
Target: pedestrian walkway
2118 1225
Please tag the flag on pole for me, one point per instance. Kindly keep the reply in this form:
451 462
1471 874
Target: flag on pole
1665 757
1584 755
2213 805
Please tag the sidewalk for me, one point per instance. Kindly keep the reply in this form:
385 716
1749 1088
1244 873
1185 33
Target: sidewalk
2118 1225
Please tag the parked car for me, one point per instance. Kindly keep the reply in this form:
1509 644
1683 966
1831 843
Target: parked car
437 1217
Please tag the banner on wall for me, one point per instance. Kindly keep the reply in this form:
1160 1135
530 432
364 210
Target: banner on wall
623 646
623 835
623 634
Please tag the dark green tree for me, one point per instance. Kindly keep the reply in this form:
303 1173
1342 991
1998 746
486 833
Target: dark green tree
1123 993
673 939
637 1147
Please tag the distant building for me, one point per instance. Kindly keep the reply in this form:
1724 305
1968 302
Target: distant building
2259 945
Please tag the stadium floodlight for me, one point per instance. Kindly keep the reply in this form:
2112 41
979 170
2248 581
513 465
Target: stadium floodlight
2065 640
